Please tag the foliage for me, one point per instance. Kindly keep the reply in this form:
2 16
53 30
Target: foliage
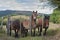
55 2
55 17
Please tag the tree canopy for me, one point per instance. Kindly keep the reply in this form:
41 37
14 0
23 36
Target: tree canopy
55 2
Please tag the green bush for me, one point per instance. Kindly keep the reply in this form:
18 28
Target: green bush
55 17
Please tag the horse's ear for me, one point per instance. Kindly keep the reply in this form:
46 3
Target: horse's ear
33 11
36 11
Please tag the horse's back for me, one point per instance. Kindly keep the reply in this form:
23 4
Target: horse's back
26 24
15 24
39 22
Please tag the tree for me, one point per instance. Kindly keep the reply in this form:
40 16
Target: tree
55 2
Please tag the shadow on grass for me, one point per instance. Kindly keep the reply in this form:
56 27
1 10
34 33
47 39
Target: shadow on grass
52 32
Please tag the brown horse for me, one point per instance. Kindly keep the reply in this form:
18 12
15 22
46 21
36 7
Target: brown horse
33 22
45 24
16 26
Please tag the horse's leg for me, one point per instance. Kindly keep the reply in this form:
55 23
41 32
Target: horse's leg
31 31
26 32
40 30
21 33
34 32
45 30
7 30
10 31
16 33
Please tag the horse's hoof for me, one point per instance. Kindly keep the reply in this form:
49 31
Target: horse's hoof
23 36
16 36
39 35
33 35
9 35
44 34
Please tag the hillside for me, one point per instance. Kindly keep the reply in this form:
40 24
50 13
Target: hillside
8 12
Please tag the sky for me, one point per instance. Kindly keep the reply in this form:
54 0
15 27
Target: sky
27 5
18 4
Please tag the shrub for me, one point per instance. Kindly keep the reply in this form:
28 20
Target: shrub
55 17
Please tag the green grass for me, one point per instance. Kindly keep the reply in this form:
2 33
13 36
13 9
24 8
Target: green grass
50 32
55 17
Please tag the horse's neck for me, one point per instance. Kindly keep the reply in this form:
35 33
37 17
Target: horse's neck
33 17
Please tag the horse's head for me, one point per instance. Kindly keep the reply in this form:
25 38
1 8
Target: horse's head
46 19
34 15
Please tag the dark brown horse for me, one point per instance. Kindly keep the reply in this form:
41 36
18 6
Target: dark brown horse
16 25
45 24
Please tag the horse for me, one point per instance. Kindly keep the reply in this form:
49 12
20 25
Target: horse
33 22
45 24
16 25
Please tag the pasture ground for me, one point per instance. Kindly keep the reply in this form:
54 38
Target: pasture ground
53 33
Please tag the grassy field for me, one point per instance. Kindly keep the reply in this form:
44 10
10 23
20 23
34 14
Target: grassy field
52 33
